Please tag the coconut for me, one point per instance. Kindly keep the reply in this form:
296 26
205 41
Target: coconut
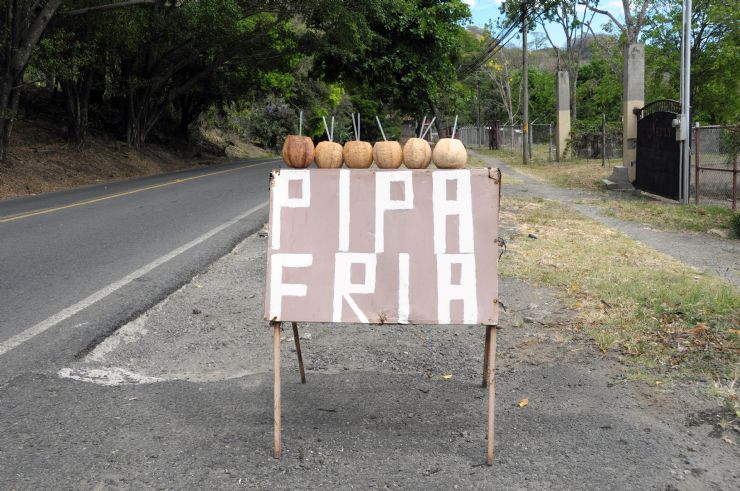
388 154
358 154
298 151
417 153
328 155
450 153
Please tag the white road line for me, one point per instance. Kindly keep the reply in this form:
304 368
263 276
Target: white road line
65 314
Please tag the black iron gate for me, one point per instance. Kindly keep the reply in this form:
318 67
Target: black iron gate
658 158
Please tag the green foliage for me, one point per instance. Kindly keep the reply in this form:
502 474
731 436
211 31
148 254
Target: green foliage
715 94
403 52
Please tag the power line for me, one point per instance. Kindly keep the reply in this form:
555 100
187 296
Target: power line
495 45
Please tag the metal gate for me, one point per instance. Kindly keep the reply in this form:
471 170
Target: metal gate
658 152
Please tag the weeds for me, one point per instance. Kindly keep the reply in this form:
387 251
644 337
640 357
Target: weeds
657 311
670 216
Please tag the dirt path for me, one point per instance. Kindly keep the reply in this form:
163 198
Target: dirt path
376 411
714 255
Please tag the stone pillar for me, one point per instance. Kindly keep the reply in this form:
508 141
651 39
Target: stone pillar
562 126
633 98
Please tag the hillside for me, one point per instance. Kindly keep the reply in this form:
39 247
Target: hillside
41 160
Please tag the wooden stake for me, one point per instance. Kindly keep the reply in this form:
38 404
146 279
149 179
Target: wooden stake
491 390
298 351
485 357
276 387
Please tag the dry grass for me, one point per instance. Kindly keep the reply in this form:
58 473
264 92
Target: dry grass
655 310
669 216
578 174
476 162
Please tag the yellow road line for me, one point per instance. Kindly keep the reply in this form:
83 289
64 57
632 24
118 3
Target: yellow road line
44 211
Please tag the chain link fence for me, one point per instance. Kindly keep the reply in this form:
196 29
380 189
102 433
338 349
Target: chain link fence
598 143
714 168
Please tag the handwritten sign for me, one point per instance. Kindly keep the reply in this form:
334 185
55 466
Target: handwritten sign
383 246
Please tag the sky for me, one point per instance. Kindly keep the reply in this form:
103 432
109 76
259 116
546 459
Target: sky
485 10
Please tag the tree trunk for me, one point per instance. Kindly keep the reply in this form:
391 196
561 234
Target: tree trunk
77 95
573 102
9 98
435 114
5 86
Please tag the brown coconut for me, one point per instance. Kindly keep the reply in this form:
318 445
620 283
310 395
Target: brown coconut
298 151
328 155
358 154
450 153
388 154
417 153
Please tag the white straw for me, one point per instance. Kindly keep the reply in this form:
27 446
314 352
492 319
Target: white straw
381 128
328 135
423 122
358 127
331 134
354 125
300 124
428 127
454 128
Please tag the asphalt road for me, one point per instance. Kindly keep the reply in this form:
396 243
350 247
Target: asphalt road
77 264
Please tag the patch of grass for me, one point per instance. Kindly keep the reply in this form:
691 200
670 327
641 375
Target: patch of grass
669 216
474 161
657 311
576 174
637 375
728 393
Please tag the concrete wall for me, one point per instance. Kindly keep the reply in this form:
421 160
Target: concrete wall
562 125
633 98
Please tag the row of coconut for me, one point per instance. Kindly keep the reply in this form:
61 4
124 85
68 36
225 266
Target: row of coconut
299 152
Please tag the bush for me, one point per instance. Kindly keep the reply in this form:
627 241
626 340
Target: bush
585 139
735 225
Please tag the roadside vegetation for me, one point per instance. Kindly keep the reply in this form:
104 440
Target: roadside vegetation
672 216
586 174
663 316
573 174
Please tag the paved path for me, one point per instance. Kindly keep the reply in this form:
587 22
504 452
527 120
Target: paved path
720 257
76 264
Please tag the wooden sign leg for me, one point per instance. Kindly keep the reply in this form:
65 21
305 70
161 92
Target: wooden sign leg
491 332
276 387
298 351
485 357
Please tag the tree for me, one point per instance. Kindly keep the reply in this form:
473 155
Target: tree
635 16
405 52
574 24
715 47
22 26
500 71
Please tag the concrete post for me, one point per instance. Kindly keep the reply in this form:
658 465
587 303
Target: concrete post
633 98
562 126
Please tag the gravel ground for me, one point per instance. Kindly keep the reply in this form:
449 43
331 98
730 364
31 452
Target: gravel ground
714 255
182 398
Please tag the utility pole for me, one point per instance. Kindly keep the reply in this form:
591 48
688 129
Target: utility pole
477 86
683 130
525 87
